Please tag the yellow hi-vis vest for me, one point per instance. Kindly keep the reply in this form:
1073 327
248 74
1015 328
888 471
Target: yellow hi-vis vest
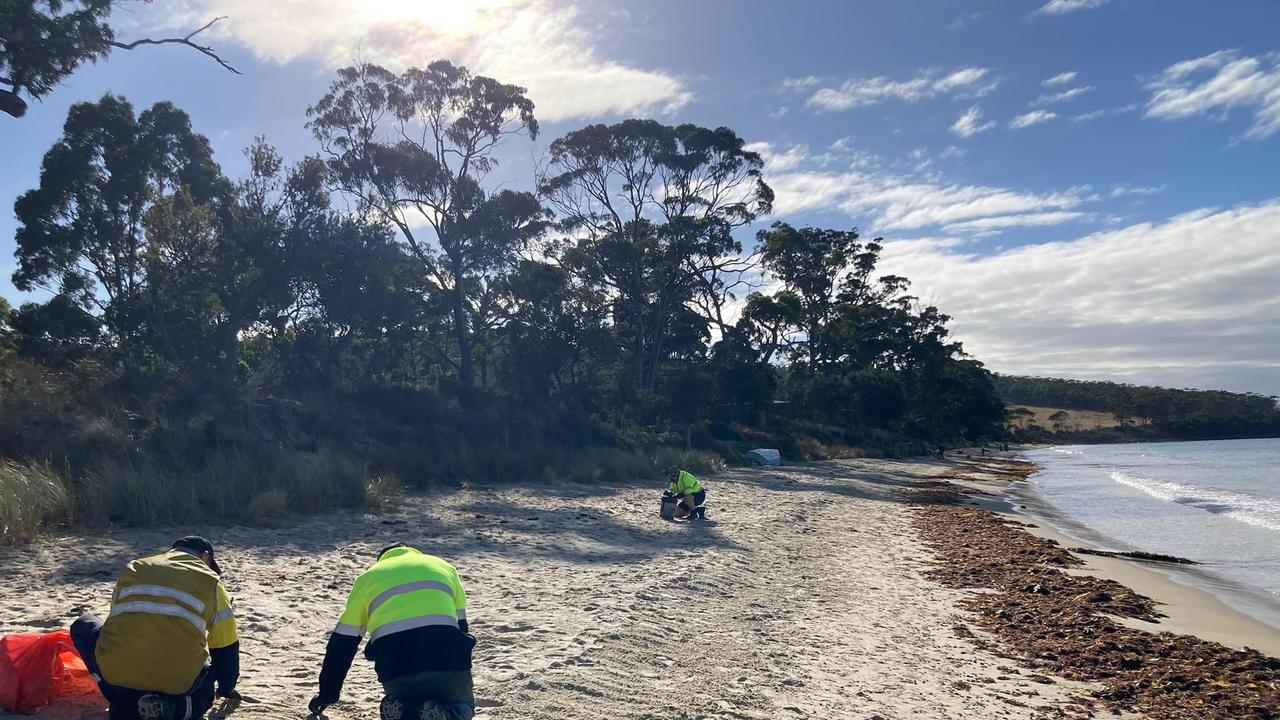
404 590
685 484
166 612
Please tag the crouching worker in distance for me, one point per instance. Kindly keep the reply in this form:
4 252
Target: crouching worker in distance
414 609
170 637
686 488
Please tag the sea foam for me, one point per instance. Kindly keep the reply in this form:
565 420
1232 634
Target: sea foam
1257 511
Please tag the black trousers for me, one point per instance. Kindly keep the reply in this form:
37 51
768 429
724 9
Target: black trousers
698 497
124 701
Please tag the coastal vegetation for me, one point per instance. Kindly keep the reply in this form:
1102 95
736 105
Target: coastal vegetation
380 315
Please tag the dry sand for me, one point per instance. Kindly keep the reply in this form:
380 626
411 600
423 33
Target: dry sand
802 597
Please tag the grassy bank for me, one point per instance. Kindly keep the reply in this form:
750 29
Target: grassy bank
265 487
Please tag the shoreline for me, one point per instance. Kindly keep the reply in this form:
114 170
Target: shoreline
1191 607
1187 591
1158 647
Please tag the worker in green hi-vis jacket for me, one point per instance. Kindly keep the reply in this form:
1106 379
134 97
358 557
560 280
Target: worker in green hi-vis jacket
689 492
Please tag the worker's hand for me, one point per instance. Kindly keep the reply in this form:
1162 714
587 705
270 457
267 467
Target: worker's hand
315 706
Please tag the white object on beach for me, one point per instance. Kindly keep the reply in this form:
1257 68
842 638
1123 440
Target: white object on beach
768 457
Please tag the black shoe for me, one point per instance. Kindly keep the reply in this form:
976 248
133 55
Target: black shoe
392 708
155 707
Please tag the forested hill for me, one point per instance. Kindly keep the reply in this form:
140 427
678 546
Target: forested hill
1148 411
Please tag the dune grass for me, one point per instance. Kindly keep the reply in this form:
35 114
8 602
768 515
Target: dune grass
32 497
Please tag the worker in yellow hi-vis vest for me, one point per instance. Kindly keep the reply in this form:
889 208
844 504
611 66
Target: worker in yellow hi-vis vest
414 609
170 637
686 488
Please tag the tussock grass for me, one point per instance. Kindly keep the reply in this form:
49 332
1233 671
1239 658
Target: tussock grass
233 485
383 492
32 497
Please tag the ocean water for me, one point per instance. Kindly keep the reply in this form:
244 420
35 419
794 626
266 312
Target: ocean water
1215 502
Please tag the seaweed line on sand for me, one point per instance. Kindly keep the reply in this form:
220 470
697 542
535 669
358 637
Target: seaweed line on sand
1065 624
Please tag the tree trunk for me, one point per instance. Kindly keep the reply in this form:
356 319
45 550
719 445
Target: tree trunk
460 326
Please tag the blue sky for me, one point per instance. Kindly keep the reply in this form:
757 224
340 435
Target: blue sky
1089 187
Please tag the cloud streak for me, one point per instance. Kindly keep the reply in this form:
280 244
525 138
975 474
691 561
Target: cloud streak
1064 96
1061 79
1035 117
1065 7
1220 82
963 82
970 123
535 43
894 202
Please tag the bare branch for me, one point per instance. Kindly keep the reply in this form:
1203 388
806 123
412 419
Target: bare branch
205 49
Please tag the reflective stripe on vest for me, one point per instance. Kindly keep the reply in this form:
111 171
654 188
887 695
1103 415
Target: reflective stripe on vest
155 608
185 598
386 595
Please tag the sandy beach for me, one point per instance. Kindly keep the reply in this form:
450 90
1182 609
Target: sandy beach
805 596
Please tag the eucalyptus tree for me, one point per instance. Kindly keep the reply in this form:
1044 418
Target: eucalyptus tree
413 150
650 211
81 231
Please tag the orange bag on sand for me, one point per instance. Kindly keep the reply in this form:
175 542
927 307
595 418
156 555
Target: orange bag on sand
34 667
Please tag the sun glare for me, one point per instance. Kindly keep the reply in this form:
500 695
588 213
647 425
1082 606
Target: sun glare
449 17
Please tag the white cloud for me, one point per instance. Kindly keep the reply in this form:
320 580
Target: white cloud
1060 79
1063 7
896 202
1035 117
870 91
1166 303
775 161
539 44
1091 115
803 83
970 123
949 152
1063 96
1120 191
989 225
1220 82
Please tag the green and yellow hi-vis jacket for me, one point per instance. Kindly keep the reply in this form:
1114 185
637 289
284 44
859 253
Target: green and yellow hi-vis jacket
685 484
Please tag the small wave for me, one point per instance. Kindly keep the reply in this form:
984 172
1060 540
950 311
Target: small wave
1064 451
1256 511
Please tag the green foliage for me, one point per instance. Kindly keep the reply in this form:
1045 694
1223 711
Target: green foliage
367 127
43 41
241 350
654 208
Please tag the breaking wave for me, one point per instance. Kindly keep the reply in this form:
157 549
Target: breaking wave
1260 512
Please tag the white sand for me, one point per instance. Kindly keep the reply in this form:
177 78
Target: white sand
802 597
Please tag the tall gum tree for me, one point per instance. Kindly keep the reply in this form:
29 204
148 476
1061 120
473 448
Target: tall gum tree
81 231
413 150
649 211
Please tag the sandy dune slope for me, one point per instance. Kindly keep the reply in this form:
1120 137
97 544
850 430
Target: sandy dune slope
802 597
